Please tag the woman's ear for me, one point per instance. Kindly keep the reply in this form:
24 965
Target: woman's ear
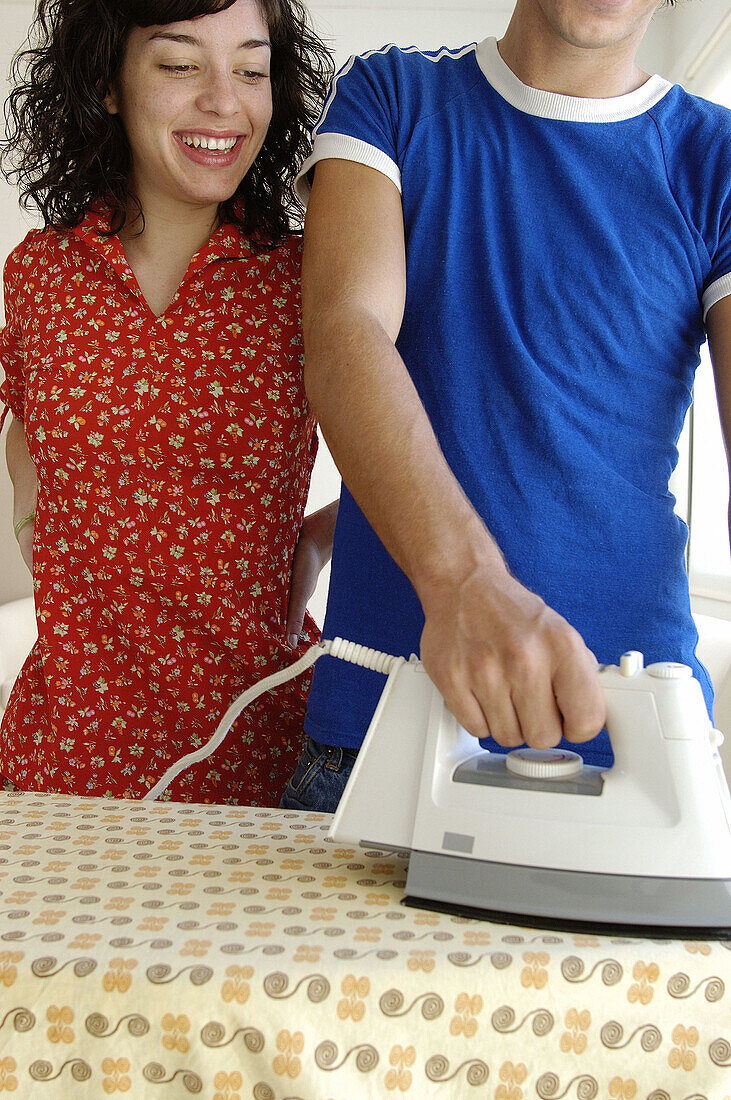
109 98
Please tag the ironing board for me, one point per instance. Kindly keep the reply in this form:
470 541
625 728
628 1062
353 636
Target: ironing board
169 950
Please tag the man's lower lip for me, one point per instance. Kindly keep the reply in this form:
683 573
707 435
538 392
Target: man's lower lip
608 5
206 157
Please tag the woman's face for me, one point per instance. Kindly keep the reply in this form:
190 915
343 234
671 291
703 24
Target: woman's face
195 101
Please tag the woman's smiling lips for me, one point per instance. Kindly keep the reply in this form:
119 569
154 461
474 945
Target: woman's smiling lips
212 149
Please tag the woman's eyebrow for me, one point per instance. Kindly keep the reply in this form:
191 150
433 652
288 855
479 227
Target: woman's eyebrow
191 40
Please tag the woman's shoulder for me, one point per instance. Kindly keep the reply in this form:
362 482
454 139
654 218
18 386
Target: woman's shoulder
292 246
24 256
285 253
29 244
278 263
260 248
37 243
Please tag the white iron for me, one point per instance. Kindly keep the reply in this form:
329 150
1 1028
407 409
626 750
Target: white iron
541 838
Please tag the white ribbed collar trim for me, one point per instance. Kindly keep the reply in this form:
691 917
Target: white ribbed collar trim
534 101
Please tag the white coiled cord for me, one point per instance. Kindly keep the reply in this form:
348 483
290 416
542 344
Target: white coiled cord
361 655
346 651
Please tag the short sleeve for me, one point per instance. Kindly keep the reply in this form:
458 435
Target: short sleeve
12 357
718 281
717 284
361 117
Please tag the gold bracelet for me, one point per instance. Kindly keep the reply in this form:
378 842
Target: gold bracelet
23 522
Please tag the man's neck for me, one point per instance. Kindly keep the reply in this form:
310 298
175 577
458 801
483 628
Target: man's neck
549 57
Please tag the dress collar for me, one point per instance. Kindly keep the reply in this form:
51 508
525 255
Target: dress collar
227 242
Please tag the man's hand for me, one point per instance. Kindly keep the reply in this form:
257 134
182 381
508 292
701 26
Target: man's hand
312 553
507 665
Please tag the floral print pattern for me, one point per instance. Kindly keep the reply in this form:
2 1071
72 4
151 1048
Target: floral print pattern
174 455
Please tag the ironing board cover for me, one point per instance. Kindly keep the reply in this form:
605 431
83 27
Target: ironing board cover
170 950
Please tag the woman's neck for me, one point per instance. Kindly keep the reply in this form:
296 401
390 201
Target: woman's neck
160 248
168 231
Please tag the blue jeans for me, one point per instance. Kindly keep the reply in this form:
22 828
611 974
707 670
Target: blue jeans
319 778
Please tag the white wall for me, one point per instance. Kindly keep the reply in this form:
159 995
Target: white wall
689 28
351 26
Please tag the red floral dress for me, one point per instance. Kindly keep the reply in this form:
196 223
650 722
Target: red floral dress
174 456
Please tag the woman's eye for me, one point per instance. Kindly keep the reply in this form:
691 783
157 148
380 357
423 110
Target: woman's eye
252 74
177 68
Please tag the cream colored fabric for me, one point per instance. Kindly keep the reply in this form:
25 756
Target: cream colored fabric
234 954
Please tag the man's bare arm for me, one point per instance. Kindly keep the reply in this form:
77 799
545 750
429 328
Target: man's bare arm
507 664
718 324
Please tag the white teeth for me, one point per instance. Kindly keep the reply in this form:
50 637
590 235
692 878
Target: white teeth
212 144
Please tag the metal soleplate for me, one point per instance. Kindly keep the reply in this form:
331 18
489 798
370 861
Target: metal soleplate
571 901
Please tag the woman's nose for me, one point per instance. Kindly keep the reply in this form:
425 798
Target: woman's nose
219 95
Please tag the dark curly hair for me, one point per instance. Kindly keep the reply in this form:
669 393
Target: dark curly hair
64 149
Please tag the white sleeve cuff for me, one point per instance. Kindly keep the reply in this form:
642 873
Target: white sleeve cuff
715 292
343 147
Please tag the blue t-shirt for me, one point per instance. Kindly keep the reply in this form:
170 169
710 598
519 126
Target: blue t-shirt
561 256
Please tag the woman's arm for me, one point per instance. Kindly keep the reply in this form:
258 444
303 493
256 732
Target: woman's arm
25 486
312 553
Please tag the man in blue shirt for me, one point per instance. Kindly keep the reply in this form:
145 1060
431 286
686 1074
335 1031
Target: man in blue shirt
513 253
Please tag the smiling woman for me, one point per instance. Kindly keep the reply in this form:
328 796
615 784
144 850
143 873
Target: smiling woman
161 442
64 148
195 103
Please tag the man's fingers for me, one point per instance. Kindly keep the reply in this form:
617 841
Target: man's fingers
493 692
483 706
525 699
461 702
580 700
538 713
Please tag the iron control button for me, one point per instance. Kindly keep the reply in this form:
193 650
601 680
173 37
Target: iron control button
631 663
670 670
543 763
